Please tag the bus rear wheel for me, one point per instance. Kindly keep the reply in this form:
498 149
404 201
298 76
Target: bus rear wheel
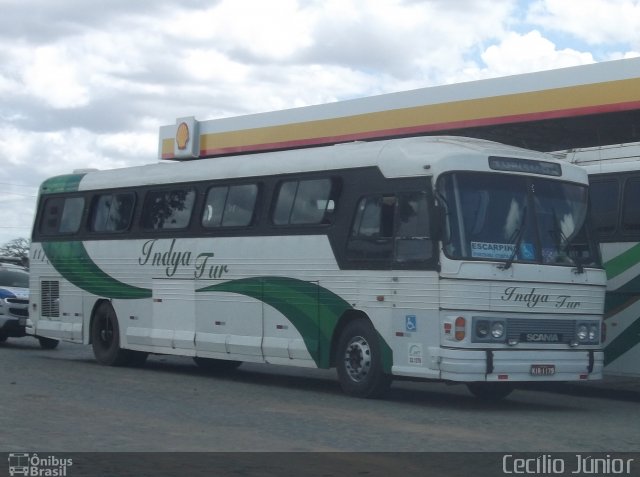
105 339
359 361
490 391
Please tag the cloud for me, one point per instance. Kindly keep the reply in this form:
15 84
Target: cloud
76 147
17 217
51 76
414 42
592 21
42 21
28 158
87 84
518 53
257 31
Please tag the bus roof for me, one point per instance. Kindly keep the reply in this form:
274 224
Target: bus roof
548 110
610 158
408 157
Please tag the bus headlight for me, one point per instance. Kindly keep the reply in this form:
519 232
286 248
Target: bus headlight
488 330
588 332
583 332
497 329
482 329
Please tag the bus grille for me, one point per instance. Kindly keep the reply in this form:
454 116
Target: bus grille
50 293
541 331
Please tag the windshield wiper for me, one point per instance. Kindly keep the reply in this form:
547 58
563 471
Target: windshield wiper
518 240
445 204
579 264
564 244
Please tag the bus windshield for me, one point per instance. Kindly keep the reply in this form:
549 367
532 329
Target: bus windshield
515 218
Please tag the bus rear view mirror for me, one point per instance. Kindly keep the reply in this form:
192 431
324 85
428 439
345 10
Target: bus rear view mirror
440 227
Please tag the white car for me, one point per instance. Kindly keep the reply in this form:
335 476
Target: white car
14 304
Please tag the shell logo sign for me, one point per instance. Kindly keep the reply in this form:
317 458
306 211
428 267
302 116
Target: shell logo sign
187 138
182 136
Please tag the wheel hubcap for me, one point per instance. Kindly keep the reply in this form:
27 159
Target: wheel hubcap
106 332
357 358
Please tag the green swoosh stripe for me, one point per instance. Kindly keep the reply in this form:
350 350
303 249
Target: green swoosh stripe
72 261
66 183
626 340
618 300
622 262
313 310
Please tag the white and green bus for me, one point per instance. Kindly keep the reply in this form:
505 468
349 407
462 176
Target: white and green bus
614 174
439 258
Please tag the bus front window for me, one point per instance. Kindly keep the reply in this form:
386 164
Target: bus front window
561 210
502 217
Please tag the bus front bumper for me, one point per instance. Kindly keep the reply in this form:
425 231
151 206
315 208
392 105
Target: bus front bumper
520 365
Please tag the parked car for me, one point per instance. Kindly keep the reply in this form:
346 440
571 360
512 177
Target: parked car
14 304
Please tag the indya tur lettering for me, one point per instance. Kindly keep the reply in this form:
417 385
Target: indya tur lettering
171 260
532 299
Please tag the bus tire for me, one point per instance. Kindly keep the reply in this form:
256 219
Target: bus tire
3 337
212 365
490 391
359 361
105 337
48 343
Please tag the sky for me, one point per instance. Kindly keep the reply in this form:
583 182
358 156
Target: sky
87 84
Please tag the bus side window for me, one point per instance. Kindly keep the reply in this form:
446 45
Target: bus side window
71 215
168 209
50 219
230 206
62 215
413 238
603 196
372 231
239 209
630 210
305 202
112 212
214 207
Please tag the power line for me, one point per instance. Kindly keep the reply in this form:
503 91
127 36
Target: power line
19 194
19 185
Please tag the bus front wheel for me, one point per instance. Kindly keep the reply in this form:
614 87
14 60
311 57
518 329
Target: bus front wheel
359 361
105 338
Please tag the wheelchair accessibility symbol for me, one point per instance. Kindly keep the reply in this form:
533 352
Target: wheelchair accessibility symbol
410 323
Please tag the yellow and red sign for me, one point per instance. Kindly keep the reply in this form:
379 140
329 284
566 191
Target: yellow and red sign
570 92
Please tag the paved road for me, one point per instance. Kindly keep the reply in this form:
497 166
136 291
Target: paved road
63 401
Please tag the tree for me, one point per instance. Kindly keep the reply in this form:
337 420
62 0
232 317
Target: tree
16 248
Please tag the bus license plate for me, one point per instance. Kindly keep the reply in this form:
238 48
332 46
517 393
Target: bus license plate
543 369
